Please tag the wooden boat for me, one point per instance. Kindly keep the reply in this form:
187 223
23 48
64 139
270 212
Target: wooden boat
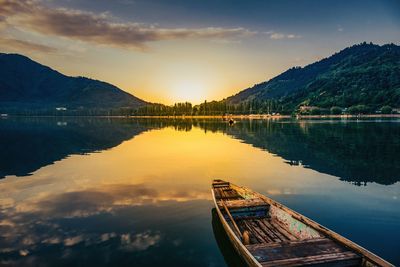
266 233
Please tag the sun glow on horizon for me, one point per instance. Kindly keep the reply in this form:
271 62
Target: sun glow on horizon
190 80
188 90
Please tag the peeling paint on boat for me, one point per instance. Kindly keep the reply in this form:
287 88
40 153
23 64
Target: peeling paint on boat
298 228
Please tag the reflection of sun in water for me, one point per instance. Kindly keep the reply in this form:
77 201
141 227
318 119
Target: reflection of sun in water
189 90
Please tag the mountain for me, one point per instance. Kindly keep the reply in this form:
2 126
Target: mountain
364 74
25 83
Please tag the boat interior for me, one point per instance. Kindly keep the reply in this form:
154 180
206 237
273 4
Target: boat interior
274 237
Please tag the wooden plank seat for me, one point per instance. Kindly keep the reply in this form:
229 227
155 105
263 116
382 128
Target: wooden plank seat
265 230
318 252
220 183
245 203
343 259
226 193
246 208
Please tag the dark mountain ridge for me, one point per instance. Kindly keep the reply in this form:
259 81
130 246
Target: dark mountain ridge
28 84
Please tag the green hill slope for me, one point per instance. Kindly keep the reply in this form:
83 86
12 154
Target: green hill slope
364 74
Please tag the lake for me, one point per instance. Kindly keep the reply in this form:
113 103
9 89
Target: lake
136 192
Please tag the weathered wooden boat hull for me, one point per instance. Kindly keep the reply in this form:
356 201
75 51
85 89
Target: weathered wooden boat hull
237 244
334 249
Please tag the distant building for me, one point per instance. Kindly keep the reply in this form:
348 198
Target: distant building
61 108
307 108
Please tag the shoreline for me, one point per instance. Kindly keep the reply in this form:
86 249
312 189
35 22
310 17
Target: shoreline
223 117
266 116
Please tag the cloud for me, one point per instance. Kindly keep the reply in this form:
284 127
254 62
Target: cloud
277 36
101 28
25 45
292 36
280 36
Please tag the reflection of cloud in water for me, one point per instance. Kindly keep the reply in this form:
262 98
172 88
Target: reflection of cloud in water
139 242
36 221
6 203
71 241
107 236
58 237
23 252
105 199
52 240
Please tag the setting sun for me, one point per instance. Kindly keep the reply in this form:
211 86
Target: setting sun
189 90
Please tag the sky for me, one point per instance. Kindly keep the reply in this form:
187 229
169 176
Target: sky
180 50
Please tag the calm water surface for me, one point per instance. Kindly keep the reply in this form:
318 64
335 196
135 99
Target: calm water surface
101 192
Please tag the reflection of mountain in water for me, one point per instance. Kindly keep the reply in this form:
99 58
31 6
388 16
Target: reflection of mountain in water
358 152
355 151
28 144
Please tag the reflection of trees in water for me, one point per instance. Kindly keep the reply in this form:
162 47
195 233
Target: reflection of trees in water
28 144
355 151
358 152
